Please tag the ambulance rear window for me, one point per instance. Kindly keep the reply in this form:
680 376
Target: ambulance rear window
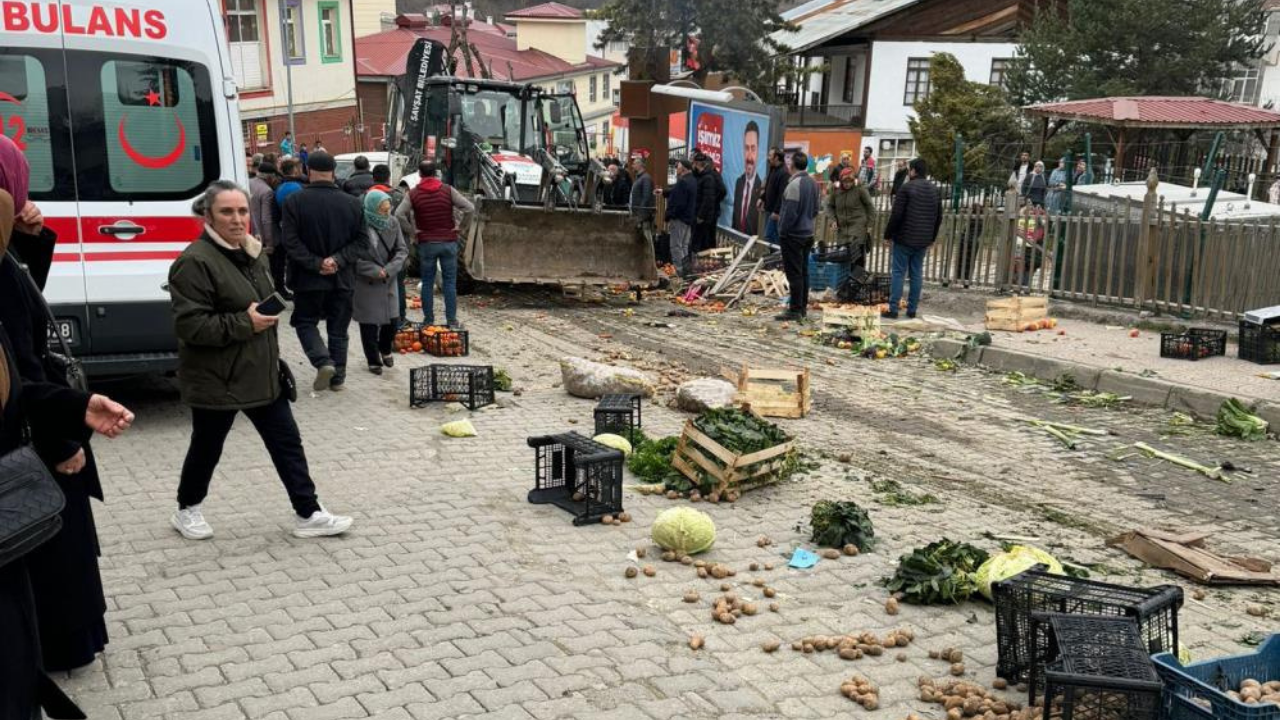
152 119
24 115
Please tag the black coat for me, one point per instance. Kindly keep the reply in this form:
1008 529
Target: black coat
711 192
359 183
321 221
774 186
620 190
54 410
917 215
682 199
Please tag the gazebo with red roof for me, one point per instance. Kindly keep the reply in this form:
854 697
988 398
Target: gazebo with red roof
1163 113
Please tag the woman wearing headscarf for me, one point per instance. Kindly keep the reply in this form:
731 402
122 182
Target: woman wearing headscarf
67 585
46 410
1035 185
377 305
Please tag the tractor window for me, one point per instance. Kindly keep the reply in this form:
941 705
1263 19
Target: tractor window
564 127
493 117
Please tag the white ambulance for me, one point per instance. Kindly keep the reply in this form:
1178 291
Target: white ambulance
126 111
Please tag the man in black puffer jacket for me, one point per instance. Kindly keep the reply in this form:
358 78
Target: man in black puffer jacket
912 228
711 192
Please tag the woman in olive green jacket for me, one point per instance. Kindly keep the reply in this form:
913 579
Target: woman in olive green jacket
229 362
851 206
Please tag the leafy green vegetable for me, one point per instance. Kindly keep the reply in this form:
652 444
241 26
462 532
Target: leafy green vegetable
937 574
501 380
1236 420
650 460
839 523
739 431
891 493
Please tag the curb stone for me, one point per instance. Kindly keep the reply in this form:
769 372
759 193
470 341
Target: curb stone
1199 402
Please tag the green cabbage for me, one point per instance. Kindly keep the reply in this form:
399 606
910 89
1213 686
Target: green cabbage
1005 565
684 531
617 442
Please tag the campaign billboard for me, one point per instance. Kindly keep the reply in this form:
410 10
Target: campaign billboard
737 140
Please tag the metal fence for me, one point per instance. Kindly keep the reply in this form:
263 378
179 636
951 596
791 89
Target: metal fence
1148 260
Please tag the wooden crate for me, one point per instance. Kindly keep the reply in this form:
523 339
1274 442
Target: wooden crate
860 320
766 392
696 455
1012 314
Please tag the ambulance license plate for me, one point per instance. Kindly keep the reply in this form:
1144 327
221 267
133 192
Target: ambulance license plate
69 330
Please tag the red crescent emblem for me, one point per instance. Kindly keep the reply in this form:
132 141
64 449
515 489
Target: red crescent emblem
147 161
6 97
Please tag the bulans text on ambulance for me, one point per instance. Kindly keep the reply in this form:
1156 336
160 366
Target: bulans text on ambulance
97 20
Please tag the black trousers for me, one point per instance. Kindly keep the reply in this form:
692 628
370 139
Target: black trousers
376 341
279 261
334 308
795 263
704 236
279 432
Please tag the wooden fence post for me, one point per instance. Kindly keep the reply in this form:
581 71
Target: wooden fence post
1007 242
1149 243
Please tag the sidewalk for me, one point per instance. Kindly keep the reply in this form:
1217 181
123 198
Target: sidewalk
1096 346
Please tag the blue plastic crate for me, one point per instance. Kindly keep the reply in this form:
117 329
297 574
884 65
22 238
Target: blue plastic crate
1199 690
823 275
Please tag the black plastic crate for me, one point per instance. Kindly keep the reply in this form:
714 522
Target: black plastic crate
471 385
577 474
618 414
1037 591
443 342
872 290
1194 344
1260 343
1100 653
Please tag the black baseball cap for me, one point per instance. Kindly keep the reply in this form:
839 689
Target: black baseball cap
321 161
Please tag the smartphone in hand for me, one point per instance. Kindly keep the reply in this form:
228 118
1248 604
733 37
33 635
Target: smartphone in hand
272 306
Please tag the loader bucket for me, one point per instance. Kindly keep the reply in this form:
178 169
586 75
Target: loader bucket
527 244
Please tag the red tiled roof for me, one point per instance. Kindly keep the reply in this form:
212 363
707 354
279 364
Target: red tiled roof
1159 112
548 11
384 55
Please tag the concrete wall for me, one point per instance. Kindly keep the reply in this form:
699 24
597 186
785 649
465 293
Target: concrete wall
566 40
885 112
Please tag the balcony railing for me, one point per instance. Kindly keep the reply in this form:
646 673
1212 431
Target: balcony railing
824 115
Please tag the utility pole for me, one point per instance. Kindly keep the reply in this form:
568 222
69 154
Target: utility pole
288 65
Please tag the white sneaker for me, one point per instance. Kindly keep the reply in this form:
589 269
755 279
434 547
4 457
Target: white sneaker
321 524
190 522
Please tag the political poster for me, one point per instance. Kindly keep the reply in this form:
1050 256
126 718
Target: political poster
737 141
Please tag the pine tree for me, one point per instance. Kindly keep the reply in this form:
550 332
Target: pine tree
736 35
980 113
1086 48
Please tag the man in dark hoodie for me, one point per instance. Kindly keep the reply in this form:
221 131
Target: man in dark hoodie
361 179
912 228
324 234
795 224
775 185
711 192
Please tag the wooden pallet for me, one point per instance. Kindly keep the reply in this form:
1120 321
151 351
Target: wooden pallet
697 456
860 320
766 392
1013 314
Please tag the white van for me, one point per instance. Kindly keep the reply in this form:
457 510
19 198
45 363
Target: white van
126 111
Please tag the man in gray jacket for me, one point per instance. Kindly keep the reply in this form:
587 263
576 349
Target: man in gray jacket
795 227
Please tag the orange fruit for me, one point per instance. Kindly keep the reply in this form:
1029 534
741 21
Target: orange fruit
417 347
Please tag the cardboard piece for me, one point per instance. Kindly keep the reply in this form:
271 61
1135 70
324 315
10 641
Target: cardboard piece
1185 554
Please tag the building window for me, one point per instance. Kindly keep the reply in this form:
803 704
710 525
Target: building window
999 71
1243 86
295 43
917 81
591 93
849 79
604 84
330 32
244 39
564 87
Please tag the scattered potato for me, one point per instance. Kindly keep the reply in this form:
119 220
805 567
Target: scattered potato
686 560
769 592
624 517
641 552
607 519
850 549
831 554
1000 684
773 607
753 567
691 596
650 571
696 642
668 556
891 606
957 669
630 572
770 646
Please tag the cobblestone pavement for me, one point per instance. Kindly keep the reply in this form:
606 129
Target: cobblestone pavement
454 597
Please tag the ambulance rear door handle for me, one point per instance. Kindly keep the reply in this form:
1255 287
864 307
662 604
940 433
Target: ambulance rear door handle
122 229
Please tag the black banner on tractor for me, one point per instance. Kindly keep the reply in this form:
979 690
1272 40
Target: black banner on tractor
426 60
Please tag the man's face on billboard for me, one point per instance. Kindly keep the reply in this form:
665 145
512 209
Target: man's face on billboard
750 150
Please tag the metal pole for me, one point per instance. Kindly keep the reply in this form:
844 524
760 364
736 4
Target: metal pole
288 70
1218 179
957 185
1087 179
1069 163
1213 154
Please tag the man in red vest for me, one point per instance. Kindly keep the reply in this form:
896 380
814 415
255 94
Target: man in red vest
429 212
